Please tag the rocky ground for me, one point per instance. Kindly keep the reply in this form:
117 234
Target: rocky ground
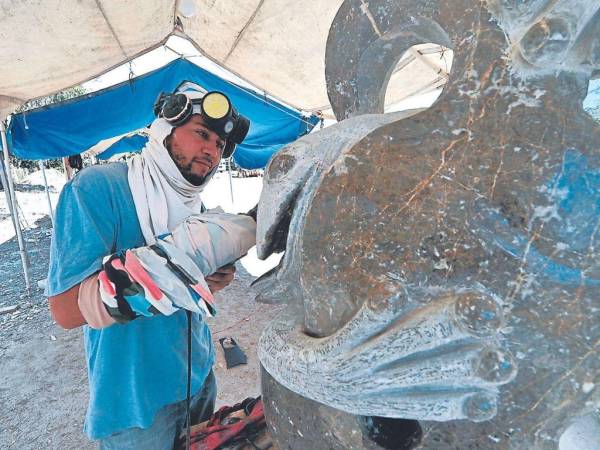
43 380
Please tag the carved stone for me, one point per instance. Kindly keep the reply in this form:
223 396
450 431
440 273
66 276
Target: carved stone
441 265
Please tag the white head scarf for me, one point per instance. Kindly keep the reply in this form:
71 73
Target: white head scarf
163 198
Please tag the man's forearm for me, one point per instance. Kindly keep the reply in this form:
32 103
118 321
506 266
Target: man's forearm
101 304
80 305
65 310
91 305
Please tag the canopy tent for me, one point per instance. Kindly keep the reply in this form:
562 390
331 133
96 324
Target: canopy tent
74 126
277 45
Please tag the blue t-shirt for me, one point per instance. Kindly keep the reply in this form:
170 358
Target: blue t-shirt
137 368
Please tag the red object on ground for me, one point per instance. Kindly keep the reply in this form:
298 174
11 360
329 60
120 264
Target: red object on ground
224 428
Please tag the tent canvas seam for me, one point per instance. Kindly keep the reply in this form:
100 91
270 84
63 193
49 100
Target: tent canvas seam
243 30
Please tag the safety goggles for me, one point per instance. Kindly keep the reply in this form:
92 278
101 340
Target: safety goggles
216 110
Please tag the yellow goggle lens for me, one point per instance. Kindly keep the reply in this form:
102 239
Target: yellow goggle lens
215 105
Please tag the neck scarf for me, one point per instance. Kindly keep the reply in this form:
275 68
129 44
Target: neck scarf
162 197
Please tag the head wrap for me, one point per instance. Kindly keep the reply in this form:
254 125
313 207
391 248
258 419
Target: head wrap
163 198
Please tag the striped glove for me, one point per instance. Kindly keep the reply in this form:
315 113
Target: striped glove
169 275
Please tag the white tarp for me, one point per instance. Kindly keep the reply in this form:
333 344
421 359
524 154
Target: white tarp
48 45
278 45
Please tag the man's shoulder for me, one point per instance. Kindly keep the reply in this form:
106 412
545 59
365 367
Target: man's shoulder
100 178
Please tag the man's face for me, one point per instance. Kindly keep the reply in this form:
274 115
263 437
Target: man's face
195 149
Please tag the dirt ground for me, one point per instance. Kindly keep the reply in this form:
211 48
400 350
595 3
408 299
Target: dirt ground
43 379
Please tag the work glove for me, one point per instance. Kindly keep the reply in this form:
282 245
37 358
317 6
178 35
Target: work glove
169 275
146 281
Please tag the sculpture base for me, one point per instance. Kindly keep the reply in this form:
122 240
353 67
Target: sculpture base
298 423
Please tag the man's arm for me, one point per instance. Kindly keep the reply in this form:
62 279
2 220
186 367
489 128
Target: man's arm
65 310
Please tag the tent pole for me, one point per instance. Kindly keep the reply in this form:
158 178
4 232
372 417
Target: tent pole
7 194
22 251
230 179
47 192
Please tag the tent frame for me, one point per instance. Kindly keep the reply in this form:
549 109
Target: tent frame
11 198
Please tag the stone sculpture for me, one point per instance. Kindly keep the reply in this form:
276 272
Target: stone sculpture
440 265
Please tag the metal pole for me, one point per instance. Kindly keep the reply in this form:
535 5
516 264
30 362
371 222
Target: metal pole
230 179
47 193
7 194
24 259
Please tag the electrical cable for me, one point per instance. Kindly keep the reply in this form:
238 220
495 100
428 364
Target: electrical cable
189 380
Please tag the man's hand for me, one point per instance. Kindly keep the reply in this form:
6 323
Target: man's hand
221 278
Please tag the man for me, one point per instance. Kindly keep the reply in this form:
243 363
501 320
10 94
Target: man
138 369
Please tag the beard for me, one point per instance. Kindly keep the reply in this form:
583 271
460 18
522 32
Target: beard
186 172
185 167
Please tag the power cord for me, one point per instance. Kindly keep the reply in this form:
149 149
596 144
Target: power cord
189 380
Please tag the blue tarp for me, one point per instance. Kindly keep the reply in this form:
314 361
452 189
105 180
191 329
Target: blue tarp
73 126
127 144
